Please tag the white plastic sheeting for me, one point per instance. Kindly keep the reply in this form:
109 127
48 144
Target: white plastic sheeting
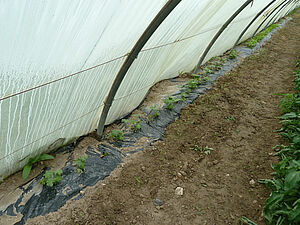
86 42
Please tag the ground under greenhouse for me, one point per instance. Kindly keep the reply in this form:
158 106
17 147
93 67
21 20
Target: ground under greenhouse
234 121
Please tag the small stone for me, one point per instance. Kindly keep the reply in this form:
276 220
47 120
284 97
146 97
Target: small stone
143 168
227 175
215 162
183 173
179 191
254 202
252 182
158 202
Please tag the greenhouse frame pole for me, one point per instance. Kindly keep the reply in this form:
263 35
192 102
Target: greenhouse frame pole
268 17
274 18
292 8
252 21
156 22
215 38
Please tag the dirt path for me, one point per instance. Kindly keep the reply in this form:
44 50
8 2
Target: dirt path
236 119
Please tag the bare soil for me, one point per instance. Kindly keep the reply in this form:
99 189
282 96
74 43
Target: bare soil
237 119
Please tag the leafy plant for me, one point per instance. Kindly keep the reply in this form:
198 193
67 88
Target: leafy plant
192 84
51 177
253 42
170 102
233 54
27 168
154 113
204 149
208 70
283 205
134 125
287 102
116 135
80 163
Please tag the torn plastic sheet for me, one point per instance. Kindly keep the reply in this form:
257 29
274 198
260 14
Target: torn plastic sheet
36 200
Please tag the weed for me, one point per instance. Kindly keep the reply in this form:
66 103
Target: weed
230 118
233 54
32 161
245 220
80 163
138 181
199 210
134 125
116 135
204 149
51 177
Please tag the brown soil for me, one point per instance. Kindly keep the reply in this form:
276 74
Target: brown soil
237 119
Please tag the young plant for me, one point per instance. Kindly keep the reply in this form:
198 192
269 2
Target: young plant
192 84
154 113
233 54
27 168
134 125
257 38
80 163
170 102
138 181
51 177
204 149
208 70
116 135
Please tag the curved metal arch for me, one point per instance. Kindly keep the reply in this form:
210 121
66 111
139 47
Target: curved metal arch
217 35
252 21
274 18
292 8
159 18
281 4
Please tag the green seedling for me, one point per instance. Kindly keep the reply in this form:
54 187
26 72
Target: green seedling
27 168
208 70
257 38
80 163
183 95
139 182
199 210
204 149
233 54
134 125
116 135
51 178
154 113
192 84
245 220
230 118
170 102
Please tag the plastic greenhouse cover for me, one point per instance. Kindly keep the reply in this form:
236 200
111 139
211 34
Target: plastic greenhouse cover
60 57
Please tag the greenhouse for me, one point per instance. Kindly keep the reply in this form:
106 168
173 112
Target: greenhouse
89 85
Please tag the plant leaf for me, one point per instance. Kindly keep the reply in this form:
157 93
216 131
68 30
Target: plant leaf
26 171
45 157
